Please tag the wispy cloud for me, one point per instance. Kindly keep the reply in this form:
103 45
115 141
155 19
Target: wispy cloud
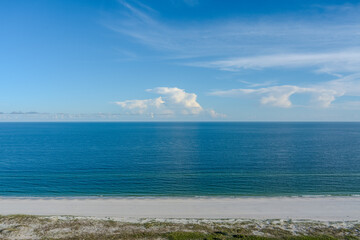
173 101
239 37
254 85
344 61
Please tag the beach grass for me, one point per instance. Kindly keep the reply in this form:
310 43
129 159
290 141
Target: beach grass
86 228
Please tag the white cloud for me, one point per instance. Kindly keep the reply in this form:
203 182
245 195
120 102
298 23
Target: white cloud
345 61
173 101
216 114
349 84
141 106
180 99
323 94
279 96
262 84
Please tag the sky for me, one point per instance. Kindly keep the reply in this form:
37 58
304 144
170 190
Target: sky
179 60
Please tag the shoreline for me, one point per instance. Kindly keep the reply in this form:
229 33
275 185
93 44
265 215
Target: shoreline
328 208
105 197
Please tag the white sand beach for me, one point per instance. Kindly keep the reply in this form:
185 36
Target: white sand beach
312 208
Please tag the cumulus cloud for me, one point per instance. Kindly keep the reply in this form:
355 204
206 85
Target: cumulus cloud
279 96
323 94
172 101
178 98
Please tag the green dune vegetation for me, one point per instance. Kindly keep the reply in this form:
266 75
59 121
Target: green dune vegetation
86 228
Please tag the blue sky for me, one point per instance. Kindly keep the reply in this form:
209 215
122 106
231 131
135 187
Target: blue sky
179 60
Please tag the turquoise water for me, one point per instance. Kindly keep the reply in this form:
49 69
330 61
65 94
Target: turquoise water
179 159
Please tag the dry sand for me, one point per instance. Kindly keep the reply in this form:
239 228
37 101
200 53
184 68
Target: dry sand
312 208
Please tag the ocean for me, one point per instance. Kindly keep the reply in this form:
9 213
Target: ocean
179 159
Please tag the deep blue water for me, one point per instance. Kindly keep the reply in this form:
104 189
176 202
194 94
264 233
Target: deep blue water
179 159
